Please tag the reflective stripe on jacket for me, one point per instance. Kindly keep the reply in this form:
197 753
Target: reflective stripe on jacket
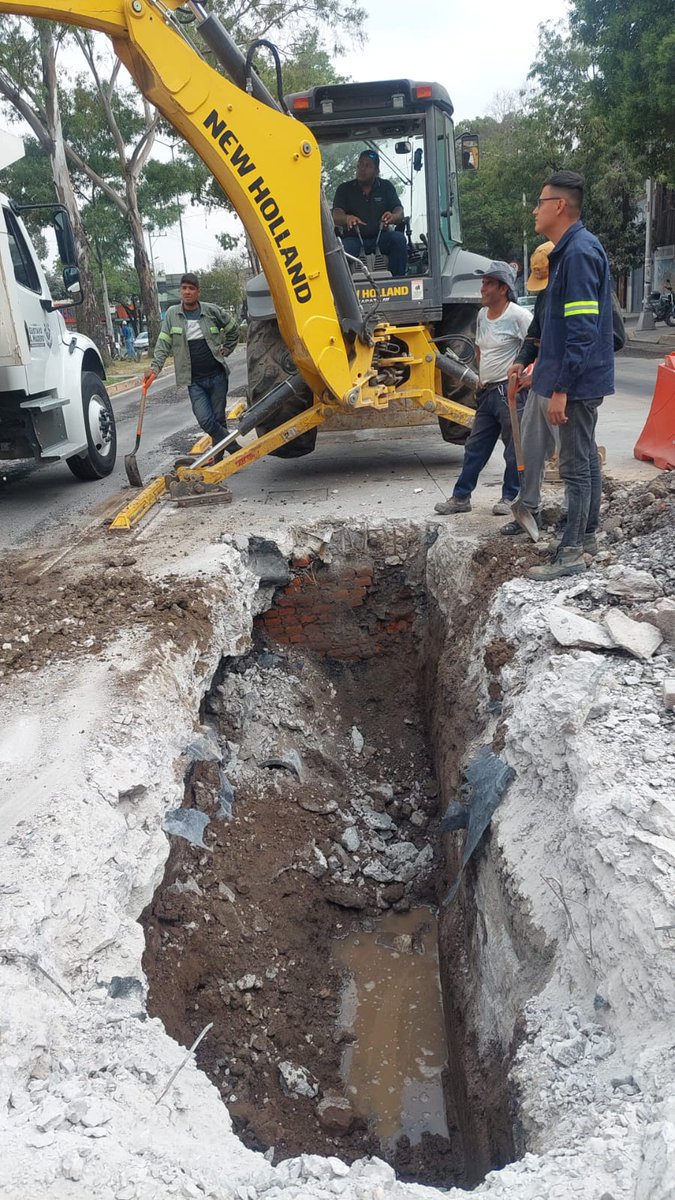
220 330
576 354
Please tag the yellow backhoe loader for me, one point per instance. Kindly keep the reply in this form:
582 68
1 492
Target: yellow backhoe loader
269 165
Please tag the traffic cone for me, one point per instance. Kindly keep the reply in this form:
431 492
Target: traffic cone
656 443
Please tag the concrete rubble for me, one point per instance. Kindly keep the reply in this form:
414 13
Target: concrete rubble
583 843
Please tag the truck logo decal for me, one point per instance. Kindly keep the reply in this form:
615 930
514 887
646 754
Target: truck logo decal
36 335
269 207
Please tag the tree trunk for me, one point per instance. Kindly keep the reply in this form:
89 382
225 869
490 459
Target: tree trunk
144 271
89 317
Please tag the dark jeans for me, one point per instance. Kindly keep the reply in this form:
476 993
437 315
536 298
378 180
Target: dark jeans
491 423
392 244
580 470
208 396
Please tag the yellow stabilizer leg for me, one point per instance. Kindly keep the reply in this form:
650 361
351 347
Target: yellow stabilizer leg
200 445
260 447
448 408
131 514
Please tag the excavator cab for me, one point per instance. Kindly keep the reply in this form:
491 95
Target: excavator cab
409 124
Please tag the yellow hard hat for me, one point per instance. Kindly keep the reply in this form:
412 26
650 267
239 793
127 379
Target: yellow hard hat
539 263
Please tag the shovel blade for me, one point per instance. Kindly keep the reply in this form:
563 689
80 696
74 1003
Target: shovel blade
524 517
133 473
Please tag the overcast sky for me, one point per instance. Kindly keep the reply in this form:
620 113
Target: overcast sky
475 49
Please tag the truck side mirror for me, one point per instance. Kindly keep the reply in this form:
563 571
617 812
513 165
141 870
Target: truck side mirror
65 240
417 159
402 147
469 148
72 284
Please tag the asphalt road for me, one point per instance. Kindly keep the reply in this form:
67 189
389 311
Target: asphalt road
45 503
45 507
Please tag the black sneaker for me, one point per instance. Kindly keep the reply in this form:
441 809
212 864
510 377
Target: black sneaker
512 529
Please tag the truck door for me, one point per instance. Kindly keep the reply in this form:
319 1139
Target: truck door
41 331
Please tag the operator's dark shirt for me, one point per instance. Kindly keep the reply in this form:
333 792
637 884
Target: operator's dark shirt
382 198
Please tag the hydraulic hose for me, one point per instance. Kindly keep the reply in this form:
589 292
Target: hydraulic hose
459 374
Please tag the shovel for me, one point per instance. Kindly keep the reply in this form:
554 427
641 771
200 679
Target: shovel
130 464
521 514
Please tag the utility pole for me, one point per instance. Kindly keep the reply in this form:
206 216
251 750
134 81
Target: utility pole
646 318
172 148
525 259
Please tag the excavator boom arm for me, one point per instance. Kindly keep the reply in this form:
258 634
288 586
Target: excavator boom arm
267 164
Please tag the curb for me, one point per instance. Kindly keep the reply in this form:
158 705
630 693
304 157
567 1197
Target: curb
124 385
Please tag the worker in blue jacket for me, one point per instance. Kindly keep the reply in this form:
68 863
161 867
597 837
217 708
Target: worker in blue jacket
575 365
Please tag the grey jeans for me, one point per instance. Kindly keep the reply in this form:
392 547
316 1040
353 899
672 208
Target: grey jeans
580 470
540 441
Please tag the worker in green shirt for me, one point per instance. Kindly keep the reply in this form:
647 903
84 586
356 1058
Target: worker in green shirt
200 336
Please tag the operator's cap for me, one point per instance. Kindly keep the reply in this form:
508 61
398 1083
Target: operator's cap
505 274
371 154
539 263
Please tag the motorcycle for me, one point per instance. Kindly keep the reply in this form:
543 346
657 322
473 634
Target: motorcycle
662 305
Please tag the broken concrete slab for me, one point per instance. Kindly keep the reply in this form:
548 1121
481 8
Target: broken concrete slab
630 584
569 628
637 637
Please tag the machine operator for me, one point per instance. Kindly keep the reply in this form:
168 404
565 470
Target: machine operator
365 203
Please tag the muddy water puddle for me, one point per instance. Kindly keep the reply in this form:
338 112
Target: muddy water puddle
391 1004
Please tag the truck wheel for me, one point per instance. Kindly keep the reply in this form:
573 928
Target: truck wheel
99 423
269 363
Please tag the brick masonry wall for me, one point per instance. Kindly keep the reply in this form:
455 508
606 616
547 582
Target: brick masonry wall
343 610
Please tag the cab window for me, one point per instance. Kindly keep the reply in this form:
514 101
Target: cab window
22 259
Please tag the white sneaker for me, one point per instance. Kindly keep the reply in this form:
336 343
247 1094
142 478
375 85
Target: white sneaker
502 509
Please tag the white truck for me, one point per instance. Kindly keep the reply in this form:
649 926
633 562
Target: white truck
53 401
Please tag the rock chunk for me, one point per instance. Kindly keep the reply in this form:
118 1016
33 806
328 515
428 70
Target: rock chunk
336 1115
637 637
345 896
296 1081
571 629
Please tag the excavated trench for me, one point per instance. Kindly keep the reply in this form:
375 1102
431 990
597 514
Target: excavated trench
302 907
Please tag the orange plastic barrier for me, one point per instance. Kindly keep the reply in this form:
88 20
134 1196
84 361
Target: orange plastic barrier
656 443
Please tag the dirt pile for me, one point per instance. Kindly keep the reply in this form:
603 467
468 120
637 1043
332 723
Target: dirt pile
67 613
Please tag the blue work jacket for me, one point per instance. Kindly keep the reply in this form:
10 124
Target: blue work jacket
576 354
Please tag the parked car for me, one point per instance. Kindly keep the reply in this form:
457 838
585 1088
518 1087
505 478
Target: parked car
141 344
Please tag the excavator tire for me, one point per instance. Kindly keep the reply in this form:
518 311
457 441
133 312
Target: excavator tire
457 332
269 363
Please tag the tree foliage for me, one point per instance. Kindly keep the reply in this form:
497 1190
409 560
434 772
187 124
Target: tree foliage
632 46
223 282
556 123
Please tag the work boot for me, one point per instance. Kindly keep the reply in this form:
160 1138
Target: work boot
590 545
456 504
569 560
502 508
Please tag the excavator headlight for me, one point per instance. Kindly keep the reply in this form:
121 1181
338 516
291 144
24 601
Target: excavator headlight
326 106
398 100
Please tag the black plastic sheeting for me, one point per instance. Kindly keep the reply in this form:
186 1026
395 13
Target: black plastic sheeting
487 777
